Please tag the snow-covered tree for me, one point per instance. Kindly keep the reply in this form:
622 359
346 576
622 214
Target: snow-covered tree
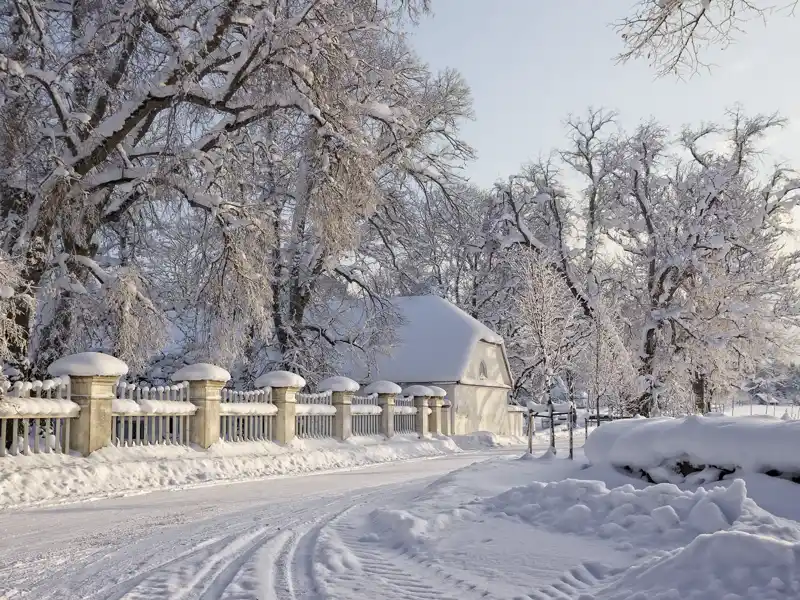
546 313
690 237
207 164
675 35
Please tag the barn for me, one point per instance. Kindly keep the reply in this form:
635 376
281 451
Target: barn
440 344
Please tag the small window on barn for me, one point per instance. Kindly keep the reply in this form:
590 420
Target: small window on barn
483 372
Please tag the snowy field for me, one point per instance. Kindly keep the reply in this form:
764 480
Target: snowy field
464 526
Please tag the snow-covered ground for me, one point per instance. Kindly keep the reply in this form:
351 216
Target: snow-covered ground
773 410
43 479
463 526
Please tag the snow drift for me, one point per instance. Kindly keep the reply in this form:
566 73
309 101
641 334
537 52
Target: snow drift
55 478
755 444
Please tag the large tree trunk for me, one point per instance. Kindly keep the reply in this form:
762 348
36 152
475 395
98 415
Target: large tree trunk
646 401
701 396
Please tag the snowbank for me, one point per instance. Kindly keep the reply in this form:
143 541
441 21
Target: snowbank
485 439
641 518
756 444
565 535
55 478
88 364
697 545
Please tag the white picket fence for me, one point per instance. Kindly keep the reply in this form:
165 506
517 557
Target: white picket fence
35 417
247 416
314 415
145 416
404 415
365 415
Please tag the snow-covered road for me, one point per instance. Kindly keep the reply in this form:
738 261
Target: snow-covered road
485 525
251 540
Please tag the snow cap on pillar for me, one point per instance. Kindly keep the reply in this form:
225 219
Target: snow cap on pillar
201 372
88 364
437 392
417 391
280 379
338 384
383 387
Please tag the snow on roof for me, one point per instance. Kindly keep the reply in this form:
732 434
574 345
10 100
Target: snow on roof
435 342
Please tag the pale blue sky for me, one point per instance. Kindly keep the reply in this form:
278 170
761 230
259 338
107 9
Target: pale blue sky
532 62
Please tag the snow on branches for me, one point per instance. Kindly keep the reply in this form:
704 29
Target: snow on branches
674 35
239 146
685 235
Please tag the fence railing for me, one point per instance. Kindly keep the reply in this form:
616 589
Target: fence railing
366 415
247 416
314 414
35 417
86 407
145 416
405 415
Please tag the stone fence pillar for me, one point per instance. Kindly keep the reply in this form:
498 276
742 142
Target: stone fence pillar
435 404
446 408
421 395
285 386
342 389
92 378
387 392
205 384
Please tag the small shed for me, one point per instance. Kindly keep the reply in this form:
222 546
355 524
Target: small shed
440 344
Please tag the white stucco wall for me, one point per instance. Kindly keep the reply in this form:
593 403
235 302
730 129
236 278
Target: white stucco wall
496 370
481 408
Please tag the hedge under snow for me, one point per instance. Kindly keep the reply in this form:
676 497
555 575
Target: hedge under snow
754 443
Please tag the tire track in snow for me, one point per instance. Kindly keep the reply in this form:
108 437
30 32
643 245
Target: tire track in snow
132 563
294 565
257 551
398 575
575 584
